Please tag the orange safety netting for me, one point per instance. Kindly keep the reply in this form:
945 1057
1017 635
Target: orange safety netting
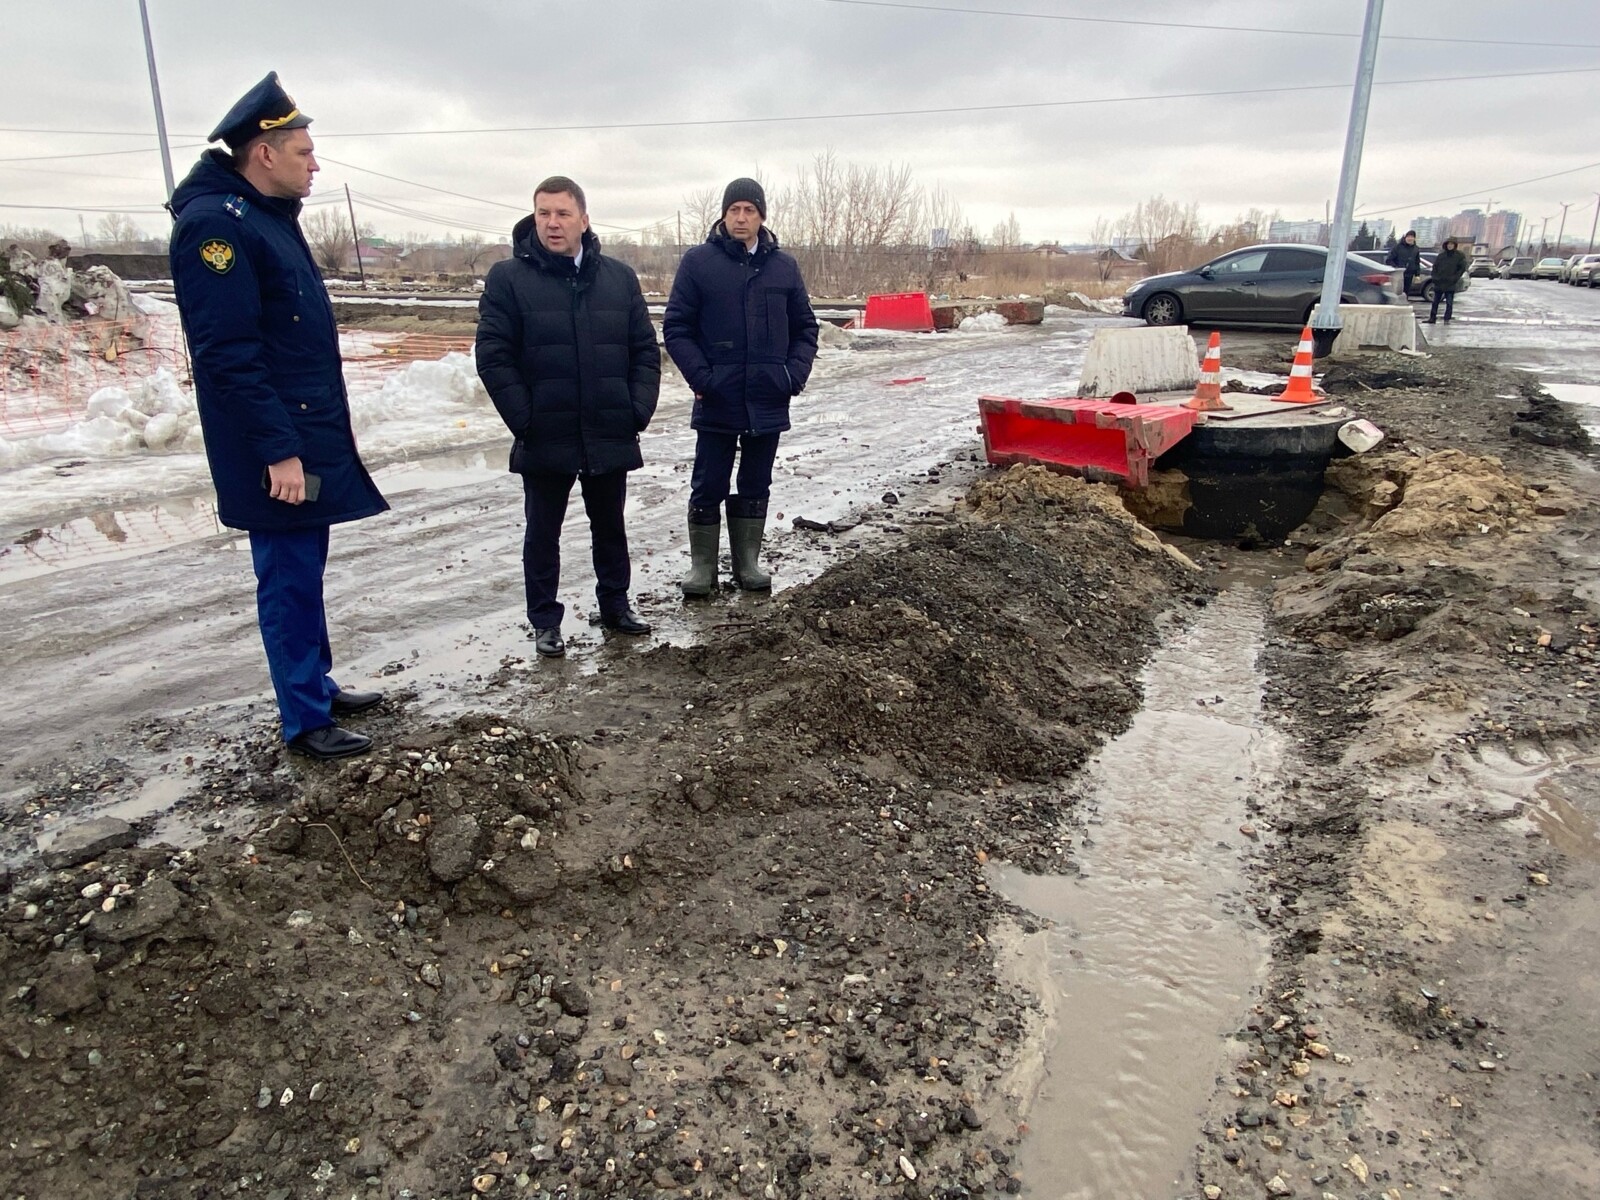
48 372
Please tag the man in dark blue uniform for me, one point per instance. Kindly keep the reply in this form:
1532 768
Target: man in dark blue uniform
740 327
271 395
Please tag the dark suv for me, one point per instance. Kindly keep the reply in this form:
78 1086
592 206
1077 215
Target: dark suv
1264 285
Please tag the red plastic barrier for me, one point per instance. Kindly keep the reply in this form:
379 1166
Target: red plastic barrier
908 312
1099 439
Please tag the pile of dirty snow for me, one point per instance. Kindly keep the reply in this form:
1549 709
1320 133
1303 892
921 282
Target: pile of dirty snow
982 323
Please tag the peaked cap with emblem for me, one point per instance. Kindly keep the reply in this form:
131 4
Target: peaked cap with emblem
262 109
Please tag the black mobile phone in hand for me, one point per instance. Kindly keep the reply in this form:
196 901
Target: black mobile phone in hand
313 484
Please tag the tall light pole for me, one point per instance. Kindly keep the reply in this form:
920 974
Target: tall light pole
1563 227
155 95
1542 229
1326 322
1594 222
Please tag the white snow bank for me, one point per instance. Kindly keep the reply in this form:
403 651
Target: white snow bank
154 416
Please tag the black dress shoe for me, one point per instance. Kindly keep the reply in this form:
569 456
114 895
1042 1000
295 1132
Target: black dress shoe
330 742
627 621
548 643
347 704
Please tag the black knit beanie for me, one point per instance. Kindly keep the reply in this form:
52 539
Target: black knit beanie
744 189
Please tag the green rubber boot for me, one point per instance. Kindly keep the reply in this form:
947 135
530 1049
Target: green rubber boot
745 535
705 542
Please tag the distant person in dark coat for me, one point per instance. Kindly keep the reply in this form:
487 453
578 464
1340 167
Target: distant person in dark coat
569 357
1449 277
271 394
1406 255
740 327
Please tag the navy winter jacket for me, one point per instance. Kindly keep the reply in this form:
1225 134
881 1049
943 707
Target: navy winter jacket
569 357
267 374
741 329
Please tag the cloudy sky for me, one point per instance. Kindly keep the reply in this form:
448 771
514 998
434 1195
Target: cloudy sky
480 97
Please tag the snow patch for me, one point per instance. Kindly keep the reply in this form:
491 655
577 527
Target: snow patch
987 322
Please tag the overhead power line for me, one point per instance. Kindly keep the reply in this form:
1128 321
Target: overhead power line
92 153
948 110
1079 102
1206 26
121 208
1498 187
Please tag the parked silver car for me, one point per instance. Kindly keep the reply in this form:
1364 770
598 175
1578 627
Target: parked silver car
1547 268
1577 271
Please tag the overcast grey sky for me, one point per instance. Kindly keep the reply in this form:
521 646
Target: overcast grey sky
369 69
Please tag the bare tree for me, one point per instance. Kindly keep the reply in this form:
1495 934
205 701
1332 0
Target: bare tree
1008 234
471 248
1105 235
117 232
330 239
701 210
1167 232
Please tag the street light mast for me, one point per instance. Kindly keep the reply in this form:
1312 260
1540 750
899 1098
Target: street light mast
155 95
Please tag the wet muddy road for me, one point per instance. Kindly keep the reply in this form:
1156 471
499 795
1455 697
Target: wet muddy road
430 595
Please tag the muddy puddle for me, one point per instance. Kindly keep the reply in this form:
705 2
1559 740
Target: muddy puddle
110 534
1585 397
1151 958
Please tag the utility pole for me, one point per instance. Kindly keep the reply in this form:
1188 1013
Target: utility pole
1561 231
1594 222
355 234
1542 229
680 235
155 95
1326 323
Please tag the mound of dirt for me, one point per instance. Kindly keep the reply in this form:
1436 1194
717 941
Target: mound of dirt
715 926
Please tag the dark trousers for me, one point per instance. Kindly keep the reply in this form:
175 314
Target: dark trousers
1449 299
1410 280
294 628
544 500
713 469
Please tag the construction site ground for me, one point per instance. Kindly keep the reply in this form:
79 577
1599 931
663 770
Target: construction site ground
739 910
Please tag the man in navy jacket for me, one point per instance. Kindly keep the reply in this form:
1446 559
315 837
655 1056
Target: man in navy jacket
567 353
740 327
271 395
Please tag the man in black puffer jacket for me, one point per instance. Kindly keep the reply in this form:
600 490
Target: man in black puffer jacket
740 327
567 352
1406 255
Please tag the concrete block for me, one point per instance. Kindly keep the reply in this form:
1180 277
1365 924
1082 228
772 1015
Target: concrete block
1157 359
86 840
1393 326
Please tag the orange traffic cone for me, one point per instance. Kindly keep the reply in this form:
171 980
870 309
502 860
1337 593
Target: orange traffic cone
1208 392
1301 390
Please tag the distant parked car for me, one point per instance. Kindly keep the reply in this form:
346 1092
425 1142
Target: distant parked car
1578 269
1483 268
1258 285
1517 268
1547 268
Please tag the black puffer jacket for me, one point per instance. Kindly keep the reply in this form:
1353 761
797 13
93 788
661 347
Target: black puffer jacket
741 329
1450 270
568 356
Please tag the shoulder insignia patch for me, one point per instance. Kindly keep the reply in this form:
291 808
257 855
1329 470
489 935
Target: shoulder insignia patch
217 254
236 206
